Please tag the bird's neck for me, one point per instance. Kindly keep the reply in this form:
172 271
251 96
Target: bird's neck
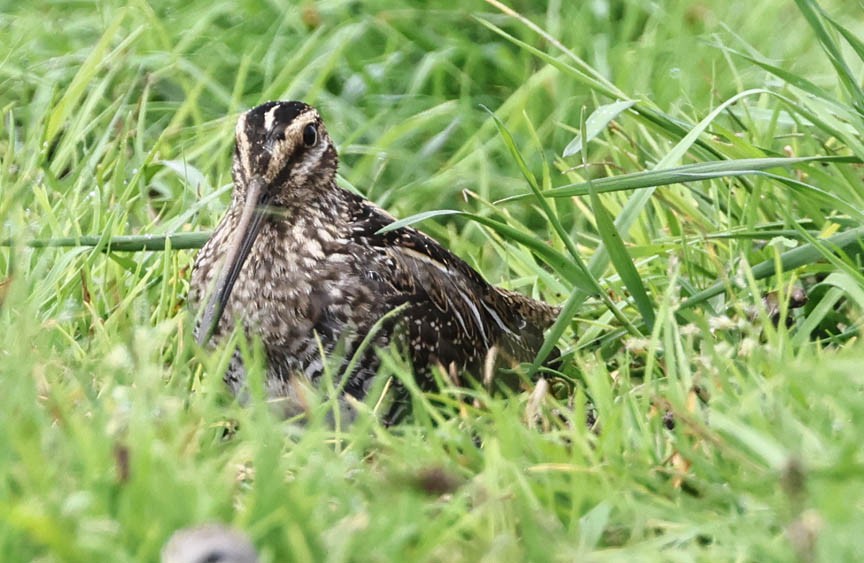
323 202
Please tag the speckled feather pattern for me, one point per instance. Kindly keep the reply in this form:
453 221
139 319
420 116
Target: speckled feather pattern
319 271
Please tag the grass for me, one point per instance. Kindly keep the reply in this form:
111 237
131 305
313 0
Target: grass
729 422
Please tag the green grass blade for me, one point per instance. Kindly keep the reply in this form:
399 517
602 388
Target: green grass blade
553 220
71 98
589 77
583 71
621 260
688 173
595 124
418 218
815 15
854 41
563 265
611 240
637 202
129 243
568 311
802 256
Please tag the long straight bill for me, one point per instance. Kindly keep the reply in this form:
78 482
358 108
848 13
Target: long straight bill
254 210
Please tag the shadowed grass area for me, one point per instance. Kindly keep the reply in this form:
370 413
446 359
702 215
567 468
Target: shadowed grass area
674 174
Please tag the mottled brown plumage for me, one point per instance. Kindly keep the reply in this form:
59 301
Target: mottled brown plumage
301 264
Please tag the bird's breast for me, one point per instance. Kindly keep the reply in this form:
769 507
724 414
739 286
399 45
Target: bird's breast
299 278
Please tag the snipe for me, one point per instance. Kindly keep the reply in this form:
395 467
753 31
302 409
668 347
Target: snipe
300 263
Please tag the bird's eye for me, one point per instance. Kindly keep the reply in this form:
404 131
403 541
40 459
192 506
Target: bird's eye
310 135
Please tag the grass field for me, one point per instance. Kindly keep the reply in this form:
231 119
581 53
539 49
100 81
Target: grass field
730 419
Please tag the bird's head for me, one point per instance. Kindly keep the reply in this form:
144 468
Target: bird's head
283 157
282 148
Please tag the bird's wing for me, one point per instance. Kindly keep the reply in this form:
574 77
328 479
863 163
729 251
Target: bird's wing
454 308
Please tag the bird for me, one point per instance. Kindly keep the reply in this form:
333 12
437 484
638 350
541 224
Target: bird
311 270
209 543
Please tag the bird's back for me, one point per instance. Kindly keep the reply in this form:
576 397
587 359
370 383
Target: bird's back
453 316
